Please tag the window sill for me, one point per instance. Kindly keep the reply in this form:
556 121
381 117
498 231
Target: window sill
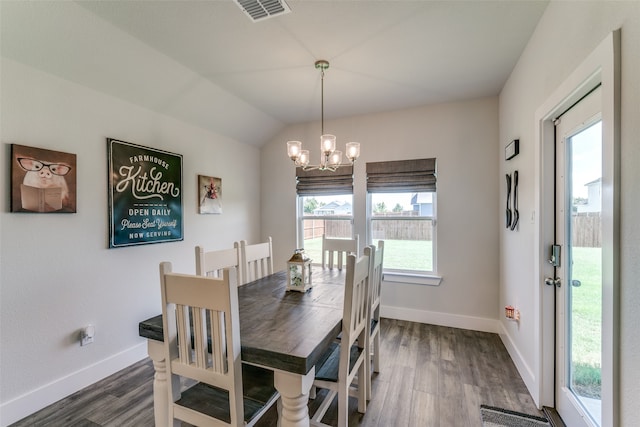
414 279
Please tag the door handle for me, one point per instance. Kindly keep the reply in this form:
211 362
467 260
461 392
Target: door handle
576 283
550 281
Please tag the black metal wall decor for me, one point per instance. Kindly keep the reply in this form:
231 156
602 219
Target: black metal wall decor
512 149
512 214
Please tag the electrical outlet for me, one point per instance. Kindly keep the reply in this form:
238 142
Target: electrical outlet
86 335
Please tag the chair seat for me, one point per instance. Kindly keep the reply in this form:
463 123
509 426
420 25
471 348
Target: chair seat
374 324
330 362
258 390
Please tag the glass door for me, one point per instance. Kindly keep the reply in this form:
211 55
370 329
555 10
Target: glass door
579 288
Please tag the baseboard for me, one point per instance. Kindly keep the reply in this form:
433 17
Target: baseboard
482 324
22 406
523 368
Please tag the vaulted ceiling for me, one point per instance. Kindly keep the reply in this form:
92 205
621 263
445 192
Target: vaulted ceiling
207 63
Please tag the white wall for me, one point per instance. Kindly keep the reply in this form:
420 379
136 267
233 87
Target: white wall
566 34
57 274
463 137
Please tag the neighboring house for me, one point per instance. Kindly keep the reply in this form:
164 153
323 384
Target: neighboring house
334 208
423 203
594 197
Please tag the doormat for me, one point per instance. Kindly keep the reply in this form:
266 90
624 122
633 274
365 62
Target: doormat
498 417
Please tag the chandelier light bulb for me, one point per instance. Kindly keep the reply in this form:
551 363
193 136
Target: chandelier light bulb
335 158
353 151
293 149
303 160
327 144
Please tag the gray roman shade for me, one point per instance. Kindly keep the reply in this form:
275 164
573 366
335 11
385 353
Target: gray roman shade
417 175
316 182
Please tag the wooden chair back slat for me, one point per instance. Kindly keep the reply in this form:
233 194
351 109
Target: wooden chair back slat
212 263
356 299
335 250
256 260
376 260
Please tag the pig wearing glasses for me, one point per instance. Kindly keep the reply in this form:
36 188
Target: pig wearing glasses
43 174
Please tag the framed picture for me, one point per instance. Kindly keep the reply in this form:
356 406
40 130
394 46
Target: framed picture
512 149
42 181
145 195
209 195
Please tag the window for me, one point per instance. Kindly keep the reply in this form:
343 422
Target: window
402 212
325 206
323 214
406 223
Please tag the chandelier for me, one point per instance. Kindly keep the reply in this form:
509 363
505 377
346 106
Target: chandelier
331 159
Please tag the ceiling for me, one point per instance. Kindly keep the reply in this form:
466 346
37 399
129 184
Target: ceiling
207 63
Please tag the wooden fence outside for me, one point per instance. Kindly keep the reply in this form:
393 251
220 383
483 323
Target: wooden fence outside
388 229
315 228
586 230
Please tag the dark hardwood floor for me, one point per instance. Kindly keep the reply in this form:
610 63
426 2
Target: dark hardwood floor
430 376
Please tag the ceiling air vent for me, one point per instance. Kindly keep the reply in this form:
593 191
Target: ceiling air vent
257 10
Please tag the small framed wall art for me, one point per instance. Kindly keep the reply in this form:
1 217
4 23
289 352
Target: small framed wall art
209 195
42 181
512 149
145 195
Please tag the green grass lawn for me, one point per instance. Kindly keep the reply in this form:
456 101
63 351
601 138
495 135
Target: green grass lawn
586 318
395 253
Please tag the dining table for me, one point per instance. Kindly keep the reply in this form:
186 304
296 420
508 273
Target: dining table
282 330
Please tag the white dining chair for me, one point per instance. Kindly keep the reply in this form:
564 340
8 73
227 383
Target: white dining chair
376 257
212 263
256 260
208 353
334 250
343 370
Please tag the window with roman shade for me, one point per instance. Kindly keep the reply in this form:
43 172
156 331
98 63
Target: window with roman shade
401 200
416 175
324 206
316 182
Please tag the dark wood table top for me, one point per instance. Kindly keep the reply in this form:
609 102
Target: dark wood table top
282 329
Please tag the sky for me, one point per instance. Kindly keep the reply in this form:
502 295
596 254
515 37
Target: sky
587 158
390 200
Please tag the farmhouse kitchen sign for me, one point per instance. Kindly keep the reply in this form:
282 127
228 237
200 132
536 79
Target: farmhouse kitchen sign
145 195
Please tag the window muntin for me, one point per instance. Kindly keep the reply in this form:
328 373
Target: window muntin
406 223
323 214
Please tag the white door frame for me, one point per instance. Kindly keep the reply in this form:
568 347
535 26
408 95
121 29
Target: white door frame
601 66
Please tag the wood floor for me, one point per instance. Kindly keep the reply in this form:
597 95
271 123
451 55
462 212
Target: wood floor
430 376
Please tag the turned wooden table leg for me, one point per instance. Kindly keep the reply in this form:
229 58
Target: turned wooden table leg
294 394
155 349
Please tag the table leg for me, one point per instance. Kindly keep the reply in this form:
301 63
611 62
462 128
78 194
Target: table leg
294 395
155 349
